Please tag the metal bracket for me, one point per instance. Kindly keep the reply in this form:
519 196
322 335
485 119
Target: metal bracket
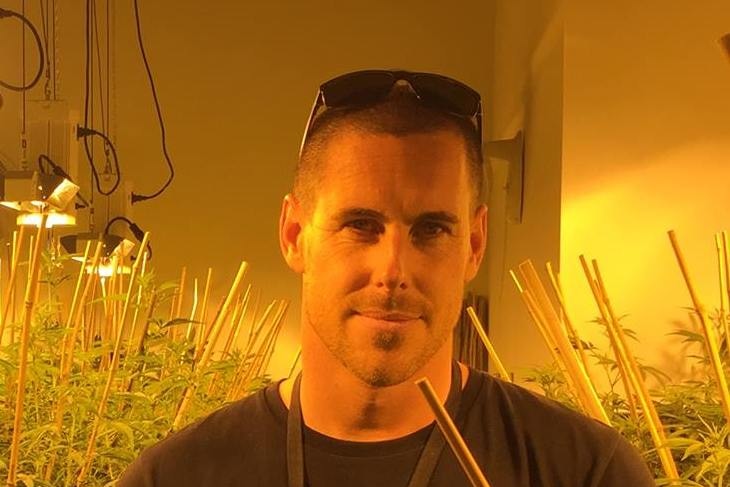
512 151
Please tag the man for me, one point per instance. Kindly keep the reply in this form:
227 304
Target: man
385 226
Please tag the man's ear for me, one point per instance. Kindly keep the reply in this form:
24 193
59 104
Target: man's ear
290 233
477 241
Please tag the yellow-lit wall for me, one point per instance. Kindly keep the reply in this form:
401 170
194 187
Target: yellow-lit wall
646 148
236 81
527 94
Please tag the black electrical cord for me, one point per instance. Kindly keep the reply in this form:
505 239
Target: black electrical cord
86 131
138 232
41 57
83 132
59 171
139 197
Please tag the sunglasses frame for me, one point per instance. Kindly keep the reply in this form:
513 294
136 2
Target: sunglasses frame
411 77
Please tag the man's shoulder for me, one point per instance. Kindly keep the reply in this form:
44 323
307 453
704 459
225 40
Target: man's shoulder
549 440
229 436
528 410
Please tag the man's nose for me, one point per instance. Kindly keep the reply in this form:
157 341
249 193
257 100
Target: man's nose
391 251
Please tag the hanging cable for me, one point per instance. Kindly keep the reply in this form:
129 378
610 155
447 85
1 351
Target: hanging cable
133 227
5 13
86 131
138 197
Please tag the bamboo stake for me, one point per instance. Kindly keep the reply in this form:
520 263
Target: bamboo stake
708 327
135 315
295 362
726 252
241 318
572 331
181 292
17 249
239 378
721 279
653 422
538 319
501 370
272 345
456 442
30 292
620 364
724 255
207 348
202 328
112 369
584 386
189 332
236 328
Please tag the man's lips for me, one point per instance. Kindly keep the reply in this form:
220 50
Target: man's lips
381 315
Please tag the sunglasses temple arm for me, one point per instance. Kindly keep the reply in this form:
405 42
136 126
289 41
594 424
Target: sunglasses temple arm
317 103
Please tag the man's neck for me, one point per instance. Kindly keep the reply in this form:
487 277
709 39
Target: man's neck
340 405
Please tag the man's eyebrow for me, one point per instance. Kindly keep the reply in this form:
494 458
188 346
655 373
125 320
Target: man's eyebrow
354 213
439 216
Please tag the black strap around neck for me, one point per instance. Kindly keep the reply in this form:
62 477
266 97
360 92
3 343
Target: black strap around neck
426 462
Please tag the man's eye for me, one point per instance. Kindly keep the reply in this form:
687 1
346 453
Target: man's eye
428 230
364 226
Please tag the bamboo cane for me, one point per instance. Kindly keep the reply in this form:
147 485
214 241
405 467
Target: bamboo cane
726 253
112 370
202 328
572 331
713 349
501 370
653 422
189 332
539 320
239 325
295 362
586 389
454 439
620 364
239 377
137 303
17 249
207 348
236 328
30 292
181 292
272 346
259 357
722 318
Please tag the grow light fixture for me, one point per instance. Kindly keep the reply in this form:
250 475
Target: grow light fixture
113 249
31 191
34 194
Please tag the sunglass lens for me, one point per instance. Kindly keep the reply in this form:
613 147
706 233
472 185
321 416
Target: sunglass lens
447 94
359 88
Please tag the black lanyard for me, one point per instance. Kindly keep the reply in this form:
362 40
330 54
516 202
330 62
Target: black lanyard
426 462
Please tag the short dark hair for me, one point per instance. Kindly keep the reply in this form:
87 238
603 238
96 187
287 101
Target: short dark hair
399 114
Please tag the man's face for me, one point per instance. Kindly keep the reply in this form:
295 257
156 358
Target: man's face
389 243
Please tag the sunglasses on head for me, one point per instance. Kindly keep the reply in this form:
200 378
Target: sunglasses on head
363 88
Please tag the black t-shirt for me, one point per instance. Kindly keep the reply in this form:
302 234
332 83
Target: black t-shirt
518 438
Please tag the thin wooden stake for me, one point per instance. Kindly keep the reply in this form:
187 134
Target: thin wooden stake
89 457
653 422
501 370
708 327
456 442
17 249
207 348
30 293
